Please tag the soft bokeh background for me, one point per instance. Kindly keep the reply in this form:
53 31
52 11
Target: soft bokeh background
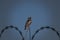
43 13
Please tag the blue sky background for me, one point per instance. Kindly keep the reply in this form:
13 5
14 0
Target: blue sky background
43 13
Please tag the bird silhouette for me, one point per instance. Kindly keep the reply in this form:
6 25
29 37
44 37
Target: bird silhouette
28 23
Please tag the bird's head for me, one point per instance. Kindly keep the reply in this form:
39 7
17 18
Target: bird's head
29 17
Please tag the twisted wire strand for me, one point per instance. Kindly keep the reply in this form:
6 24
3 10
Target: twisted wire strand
7 27
48 27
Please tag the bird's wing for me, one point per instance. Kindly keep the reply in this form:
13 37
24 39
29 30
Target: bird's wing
26 23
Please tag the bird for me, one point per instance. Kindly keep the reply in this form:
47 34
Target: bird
28 23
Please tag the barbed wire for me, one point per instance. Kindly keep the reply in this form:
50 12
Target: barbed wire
7 27
42 28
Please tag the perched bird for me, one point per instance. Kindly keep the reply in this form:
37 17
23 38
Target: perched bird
28 22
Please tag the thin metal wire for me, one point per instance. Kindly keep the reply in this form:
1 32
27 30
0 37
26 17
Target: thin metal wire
42 28
29 34
48 27
7 27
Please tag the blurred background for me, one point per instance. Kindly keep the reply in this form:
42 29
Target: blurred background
43 13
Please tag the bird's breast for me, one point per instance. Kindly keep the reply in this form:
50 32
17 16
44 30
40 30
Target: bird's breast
29 22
